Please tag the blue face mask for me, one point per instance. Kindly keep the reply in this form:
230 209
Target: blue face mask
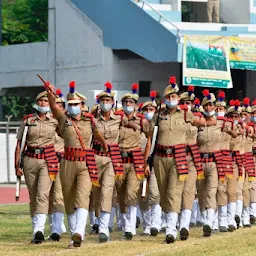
128 109
236 122
105 107
171 103
74 110
149 115
42 110
253 118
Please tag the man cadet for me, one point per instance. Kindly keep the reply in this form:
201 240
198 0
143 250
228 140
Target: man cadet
193 158
56 203
109 164
40 162
130 145
170 163
150 206
78 168
226 191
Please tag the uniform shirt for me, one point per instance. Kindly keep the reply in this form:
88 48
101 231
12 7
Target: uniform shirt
247 143
191 134
110 128
226 138
59 143
209 137
40 133
85 125
130 139
237 144
173 127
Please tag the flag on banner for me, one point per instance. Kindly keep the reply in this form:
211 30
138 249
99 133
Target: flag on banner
206 61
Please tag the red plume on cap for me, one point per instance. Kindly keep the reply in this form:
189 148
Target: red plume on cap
232 103
237 104
135 88
153 95
59 93
207 94
197 102
140 106
221 96
191 89
108 86
254 103
246 101
172 81
72 85
97 99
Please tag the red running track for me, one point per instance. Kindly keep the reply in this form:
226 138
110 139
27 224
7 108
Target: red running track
7 195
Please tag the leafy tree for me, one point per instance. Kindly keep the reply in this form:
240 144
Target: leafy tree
24 21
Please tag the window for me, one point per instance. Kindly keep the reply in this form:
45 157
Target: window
144 88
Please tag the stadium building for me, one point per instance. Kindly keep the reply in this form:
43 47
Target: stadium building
122 41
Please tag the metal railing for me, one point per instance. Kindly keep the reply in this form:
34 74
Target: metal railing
7 128
161 16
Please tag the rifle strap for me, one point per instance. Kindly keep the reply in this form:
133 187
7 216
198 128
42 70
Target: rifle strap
78 134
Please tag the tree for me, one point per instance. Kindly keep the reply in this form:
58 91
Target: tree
24 21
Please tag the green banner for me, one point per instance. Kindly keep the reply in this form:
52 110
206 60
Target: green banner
206 62
242 53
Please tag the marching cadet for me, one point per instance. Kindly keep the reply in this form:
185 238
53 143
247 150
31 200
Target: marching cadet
40 162
130 145
234 209
109 164
170 162
193 158
226 191
209 142
78 168
248 160
253 188
150 206
56 204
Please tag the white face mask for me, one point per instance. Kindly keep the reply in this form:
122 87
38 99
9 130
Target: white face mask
209 114
149 115
105 107
220 114
128 109
171 103
235 122
189 107
42 110
243 119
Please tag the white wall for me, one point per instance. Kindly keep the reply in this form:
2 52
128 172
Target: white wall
176 4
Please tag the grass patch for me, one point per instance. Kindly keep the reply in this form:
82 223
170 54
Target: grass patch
16 233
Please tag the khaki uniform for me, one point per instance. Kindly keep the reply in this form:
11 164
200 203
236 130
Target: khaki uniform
188 194
110 131
40 134
129 187
213 11
56 203
75 179
172 131
209 139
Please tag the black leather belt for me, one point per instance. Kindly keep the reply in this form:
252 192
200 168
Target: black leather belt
168 151
126 154
37 151
207 155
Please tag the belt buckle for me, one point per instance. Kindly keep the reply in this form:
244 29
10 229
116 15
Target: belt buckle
76 153
168 151
124 154
206 156
37 151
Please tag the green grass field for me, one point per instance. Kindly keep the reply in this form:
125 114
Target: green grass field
15 236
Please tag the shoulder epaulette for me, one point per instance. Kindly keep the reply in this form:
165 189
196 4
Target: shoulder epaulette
197 114
230 120
28 116
89 115
119 112
251 124
141 116
183 107
221 118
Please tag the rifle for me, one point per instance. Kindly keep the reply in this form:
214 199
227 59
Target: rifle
22 149
152 153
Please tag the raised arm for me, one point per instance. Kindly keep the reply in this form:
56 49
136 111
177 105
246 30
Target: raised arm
57 112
